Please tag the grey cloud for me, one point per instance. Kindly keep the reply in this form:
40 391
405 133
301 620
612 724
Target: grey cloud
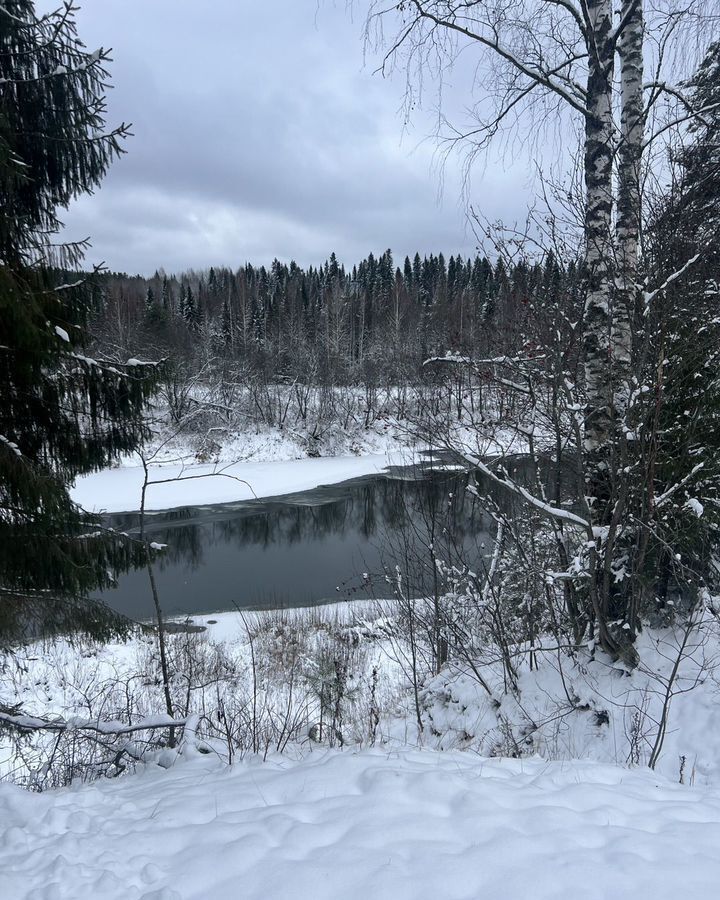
258 133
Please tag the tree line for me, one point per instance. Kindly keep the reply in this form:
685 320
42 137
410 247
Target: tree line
330 322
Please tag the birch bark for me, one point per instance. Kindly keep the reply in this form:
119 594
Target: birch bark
599 249
632 130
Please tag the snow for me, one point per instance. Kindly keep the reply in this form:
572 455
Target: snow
118 490
565 708
274 460
412 816
75 723
62 334
407 825
10 444
70 285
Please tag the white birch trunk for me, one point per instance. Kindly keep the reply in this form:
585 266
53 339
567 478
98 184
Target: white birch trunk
599 249
632 129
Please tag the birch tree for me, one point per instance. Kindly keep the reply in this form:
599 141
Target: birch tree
539 60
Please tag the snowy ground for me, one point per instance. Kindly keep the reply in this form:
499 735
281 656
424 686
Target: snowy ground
566 708
410 825
391 820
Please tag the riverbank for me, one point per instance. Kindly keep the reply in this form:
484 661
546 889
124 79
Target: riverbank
268 462
177 484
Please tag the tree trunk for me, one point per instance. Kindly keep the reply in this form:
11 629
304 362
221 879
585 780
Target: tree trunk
632 126
599 251
600 413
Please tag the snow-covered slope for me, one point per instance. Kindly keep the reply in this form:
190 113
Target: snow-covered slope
413 825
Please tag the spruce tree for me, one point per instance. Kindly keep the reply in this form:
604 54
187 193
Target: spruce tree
165 297
62 414
149 301
188 308
683 330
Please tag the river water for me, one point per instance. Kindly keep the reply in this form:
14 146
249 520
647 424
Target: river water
329 544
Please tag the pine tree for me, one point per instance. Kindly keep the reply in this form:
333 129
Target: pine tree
408 275
62 414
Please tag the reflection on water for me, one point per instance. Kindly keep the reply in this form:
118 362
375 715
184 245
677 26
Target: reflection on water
313 547
300 549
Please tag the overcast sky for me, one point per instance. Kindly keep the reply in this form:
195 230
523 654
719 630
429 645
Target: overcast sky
260 131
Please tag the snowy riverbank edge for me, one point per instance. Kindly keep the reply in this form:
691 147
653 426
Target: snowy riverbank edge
174 484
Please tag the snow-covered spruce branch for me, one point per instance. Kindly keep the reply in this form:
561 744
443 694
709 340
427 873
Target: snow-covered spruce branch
98 269
11 445
96 726
61 18
38 22
111 368
69 286
22 22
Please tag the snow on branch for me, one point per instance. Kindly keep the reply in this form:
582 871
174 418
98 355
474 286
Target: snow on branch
547 509
663 498
10 444
6 11
96 726
113 369
449 358
456 359
649 296
70 285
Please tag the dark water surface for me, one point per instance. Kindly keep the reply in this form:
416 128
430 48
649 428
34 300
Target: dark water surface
307 548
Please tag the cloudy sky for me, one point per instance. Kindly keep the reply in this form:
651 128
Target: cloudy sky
260 131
